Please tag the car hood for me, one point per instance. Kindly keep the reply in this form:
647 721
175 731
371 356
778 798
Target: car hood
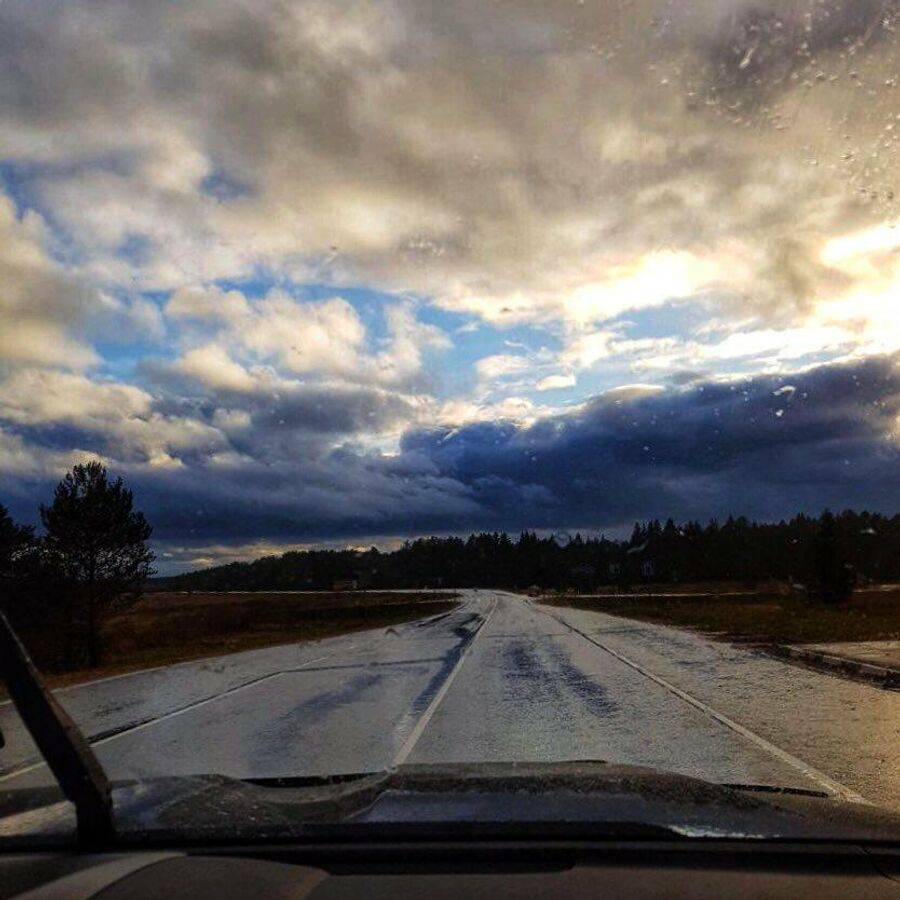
574 800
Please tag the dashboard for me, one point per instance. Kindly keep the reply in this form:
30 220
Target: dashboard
529 869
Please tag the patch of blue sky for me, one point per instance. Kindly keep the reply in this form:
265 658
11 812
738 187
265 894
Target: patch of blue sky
21 182
24 182
121 350
135 249
253 287
684 320
368 302
160 298
224 186
772 361
17 186
619 371
590 382
122 360
675 318
471 345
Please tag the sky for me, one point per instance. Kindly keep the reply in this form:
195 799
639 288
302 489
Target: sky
340 273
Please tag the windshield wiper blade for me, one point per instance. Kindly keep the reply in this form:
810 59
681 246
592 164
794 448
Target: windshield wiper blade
777 789
64 748
302 781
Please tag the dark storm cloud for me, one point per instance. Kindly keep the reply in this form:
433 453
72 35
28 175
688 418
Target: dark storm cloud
330 411
766 447
276 405
266 427
706 427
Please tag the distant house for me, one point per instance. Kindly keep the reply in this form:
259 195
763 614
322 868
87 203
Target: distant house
640 561
344 584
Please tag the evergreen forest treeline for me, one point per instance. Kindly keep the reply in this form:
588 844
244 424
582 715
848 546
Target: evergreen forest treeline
826 554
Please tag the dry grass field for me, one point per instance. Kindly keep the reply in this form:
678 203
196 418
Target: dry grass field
767 616
169 627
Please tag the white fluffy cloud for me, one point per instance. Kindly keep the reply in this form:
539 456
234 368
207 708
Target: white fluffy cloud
211 366
556 382
40 303
325 338
114 420
40 396
500 365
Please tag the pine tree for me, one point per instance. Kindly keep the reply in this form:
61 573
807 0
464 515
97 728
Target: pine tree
97 543
15 541
834 581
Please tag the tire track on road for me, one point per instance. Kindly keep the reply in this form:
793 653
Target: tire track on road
418 730
104 737
100 738
829 784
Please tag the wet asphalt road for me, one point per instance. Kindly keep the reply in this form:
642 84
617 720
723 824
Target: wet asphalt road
500 678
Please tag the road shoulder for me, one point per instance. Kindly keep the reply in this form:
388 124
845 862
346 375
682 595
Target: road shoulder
875 662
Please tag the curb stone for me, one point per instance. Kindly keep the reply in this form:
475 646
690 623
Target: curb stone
840 665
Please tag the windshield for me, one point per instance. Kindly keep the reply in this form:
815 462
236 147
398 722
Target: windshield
397 383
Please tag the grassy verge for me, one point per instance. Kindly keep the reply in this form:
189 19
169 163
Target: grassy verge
167 628
763 617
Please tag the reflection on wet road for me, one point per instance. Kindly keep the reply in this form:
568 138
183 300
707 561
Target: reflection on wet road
500 678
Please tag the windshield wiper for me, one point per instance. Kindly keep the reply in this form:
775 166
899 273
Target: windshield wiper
64 748
778 789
